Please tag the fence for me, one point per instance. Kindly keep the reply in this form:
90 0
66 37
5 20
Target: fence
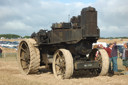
8 56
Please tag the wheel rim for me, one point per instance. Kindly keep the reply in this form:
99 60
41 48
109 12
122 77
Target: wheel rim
60 64
24 56
98 58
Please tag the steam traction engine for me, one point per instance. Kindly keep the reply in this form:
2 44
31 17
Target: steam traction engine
67 47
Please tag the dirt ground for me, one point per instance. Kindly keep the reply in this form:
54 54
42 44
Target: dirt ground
10 75
119 41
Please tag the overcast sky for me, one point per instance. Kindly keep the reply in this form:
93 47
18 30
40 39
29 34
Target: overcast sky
24 17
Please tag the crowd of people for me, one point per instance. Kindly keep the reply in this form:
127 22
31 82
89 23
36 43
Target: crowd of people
113 55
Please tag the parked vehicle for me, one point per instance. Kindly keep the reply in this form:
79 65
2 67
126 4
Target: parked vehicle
68 45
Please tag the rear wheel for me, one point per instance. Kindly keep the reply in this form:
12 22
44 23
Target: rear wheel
102 57
28 56
62 64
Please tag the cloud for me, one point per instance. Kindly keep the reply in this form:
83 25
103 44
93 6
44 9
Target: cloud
113 17
32 14
23 17
16 25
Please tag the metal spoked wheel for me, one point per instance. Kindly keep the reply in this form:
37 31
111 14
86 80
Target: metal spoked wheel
101 56
63 64
28 56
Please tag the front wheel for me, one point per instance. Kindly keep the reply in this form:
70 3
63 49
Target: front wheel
62 64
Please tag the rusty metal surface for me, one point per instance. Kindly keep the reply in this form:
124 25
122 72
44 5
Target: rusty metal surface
66 35
89 22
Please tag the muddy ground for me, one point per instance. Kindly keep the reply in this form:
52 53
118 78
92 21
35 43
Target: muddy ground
10 75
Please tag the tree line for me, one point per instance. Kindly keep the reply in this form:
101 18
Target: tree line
12 36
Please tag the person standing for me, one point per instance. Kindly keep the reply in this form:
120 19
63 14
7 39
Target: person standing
125 57
0 52
109 50
113 59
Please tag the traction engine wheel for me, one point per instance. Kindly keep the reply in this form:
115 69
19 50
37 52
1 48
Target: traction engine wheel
28 56
102 57
62 64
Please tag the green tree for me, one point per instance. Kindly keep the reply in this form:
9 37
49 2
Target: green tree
9 36
26 37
